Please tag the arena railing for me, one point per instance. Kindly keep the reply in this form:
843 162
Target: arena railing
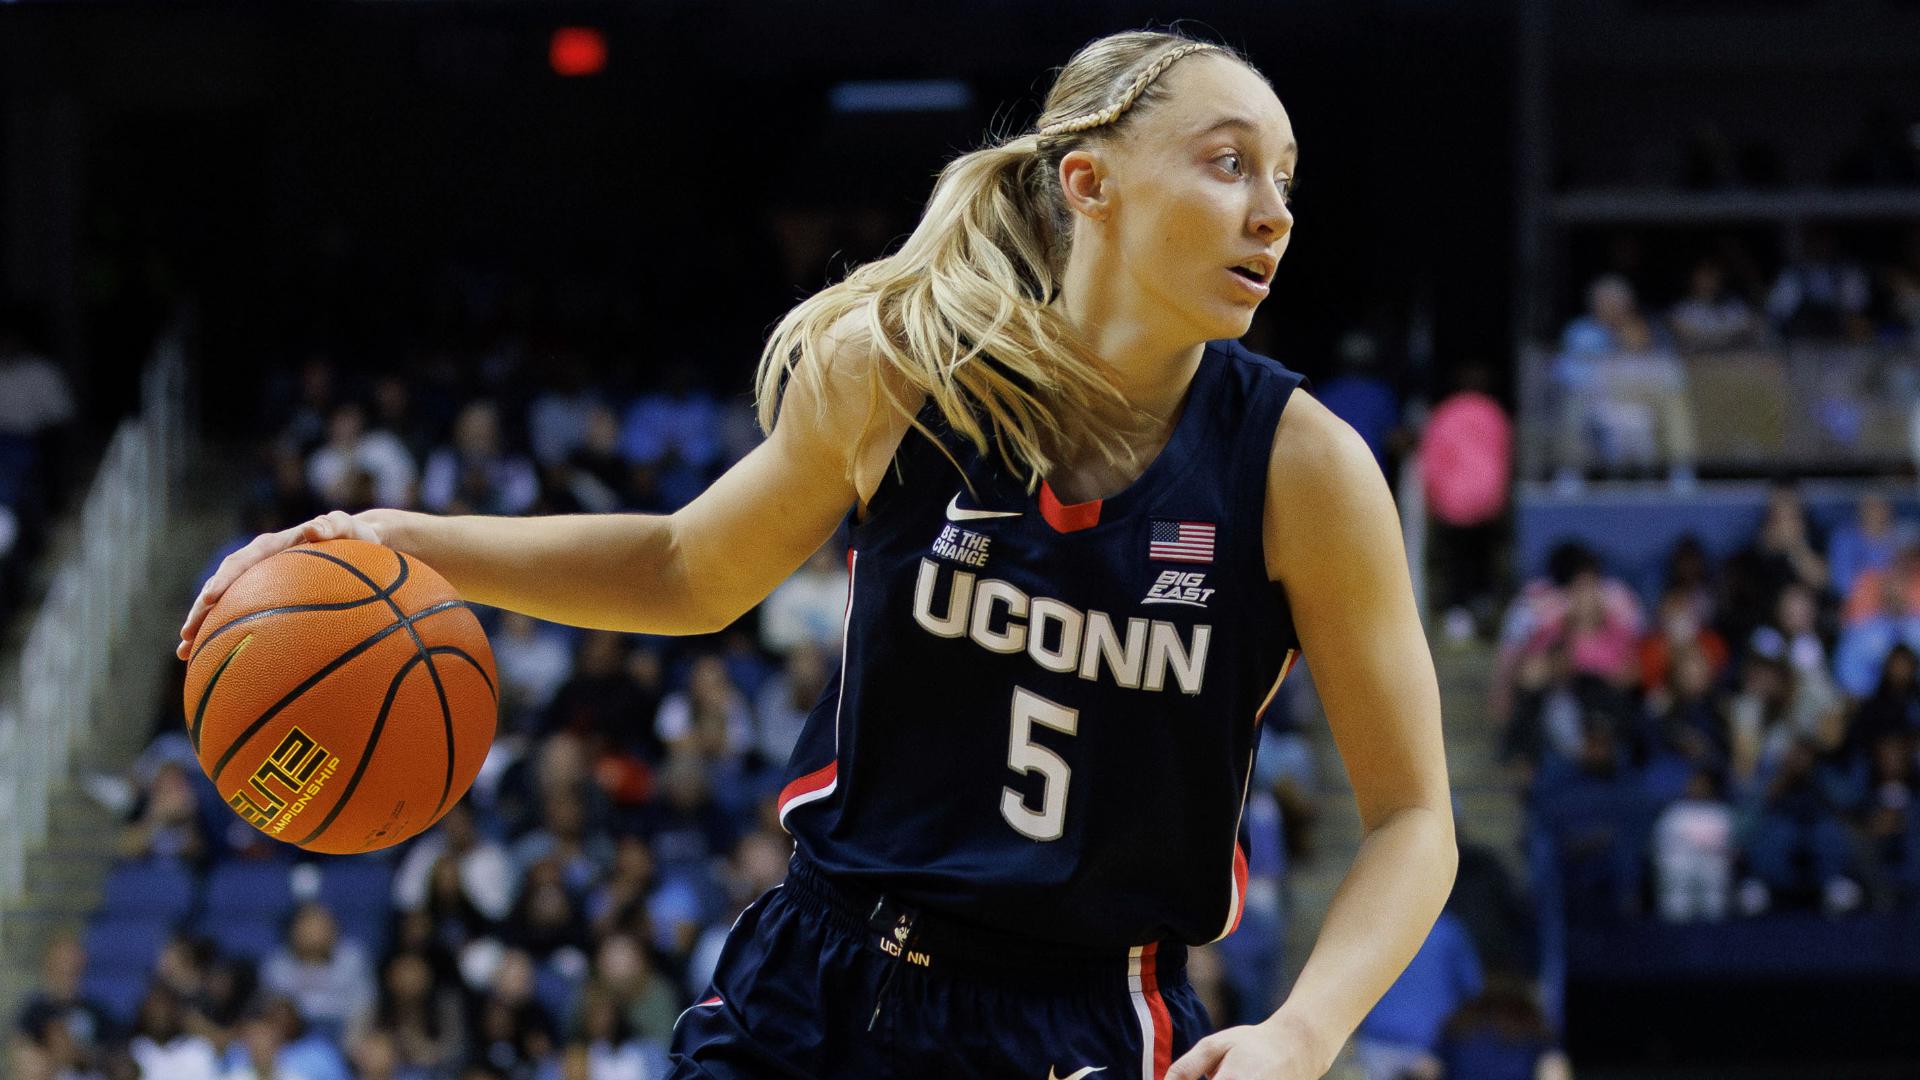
65 664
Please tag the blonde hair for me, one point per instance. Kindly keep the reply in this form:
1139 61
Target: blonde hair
961 312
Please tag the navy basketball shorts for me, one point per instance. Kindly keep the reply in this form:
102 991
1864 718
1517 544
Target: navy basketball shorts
821 981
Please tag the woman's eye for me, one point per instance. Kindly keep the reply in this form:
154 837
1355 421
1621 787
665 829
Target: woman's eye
1234 158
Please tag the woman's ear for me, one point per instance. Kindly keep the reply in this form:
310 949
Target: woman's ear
1085 182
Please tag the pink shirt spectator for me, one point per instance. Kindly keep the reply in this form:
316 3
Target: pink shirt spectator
1465 457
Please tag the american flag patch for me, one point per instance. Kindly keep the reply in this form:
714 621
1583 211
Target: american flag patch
1181 541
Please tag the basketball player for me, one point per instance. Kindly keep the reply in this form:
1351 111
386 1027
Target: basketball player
1090 534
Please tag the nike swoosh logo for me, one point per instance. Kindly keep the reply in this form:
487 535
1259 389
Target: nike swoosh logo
954 513
1075 1076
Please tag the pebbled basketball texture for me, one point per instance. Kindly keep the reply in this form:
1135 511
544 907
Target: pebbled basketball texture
341 696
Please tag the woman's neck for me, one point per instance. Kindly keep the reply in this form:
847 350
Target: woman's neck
1152 359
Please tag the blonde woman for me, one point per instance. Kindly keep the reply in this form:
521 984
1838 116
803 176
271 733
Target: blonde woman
1090 535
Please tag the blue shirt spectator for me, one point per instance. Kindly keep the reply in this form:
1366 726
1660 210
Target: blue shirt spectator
1444 975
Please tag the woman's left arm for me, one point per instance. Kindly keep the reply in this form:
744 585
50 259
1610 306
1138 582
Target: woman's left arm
1333 542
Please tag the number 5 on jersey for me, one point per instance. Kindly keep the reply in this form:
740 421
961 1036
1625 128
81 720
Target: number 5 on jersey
1026 756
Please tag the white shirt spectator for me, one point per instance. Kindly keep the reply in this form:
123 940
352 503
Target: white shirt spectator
335 994
809 606
187 1057
533 659
1693 850
487 876
674 722
378 453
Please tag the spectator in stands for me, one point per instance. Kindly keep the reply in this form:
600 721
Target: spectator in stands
422 1017
1822 295
1870 542
476 474
612 698
1402 1032
613 1051
36 409
674 432
375 1057
1690 572
685 827
593 478
1889 590
710 718
558 416
546 924
1868 640
277 1044
1599 637
1534 617
1892 823
1893 710
1621 388
482 874
784 702
1796 614
627 975
301 410
1711 317
1685 732
534 660
1777 709
1786 550
169 825
809 606
1678 629
351 451
1800 844
1466 464
163 1047
619 901
1359 393
515 1031
758 863
330 979
61 1028
395 410
1693 853
579 854
1501 1035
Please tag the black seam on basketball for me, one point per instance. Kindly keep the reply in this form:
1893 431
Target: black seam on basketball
330 668
200 710
454 650
366 753
424 654
294 609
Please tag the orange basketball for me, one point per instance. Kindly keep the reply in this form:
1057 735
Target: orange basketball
341 696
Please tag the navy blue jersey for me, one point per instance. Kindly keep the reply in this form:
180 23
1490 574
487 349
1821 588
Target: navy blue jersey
1046 714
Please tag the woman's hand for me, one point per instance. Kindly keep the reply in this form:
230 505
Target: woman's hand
337 525
1274 1049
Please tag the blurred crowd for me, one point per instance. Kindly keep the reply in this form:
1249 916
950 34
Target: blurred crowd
1620 372
1747 743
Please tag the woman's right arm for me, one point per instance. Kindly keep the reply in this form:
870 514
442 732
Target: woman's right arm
690 572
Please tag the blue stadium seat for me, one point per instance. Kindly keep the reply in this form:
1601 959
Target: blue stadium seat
119 992
123 944
249 889
154 889
356 884
239 935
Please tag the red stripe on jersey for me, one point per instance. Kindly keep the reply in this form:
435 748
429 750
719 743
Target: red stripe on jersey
1067 517
1239 886
1162 1022
808 784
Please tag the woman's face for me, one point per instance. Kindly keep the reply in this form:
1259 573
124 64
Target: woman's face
1196 186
